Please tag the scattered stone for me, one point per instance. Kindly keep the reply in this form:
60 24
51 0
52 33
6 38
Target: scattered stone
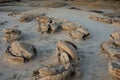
11 34
114 69
19 52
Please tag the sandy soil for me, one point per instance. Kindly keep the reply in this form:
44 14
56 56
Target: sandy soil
93 66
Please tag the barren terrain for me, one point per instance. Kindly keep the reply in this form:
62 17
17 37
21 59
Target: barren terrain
93 65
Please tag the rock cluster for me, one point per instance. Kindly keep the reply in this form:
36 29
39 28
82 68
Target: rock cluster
11 34
19 52
67 66
111 49
115 21
51 25
46 25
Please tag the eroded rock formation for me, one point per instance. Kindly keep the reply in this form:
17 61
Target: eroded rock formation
11 34
114 69
111 49
19 52
79 33
51 25
46 25
65 68
101 19
26 17
114 21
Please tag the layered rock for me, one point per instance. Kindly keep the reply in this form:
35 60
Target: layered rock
114 21
114 69
11 34
111 49
46 25
51 25
66 53
19 52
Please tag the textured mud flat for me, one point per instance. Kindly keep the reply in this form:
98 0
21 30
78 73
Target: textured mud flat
92 66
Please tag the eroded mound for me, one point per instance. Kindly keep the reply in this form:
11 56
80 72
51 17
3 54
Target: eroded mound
79 33
101 19
11 34
115 21
19 52
111 49
46 25
114 69
52 25
66 67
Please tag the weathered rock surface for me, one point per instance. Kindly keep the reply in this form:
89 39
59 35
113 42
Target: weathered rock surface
51 25
19 52
46 25
79 33
115 35
27 17
111 50
114 69
68 26
66 54
114 21
100 19
68 48
11 34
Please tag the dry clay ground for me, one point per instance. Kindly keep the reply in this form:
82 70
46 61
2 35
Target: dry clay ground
93 66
